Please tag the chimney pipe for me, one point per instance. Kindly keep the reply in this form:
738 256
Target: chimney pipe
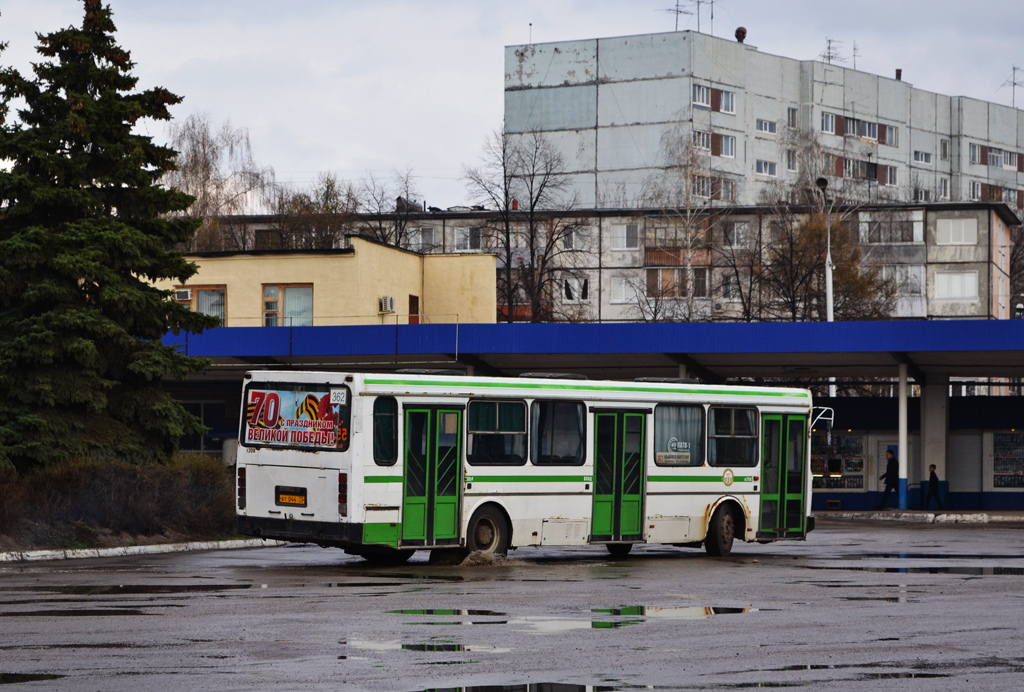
899 75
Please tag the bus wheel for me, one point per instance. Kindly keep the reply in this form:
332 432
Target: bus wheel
618 549
386 556
488 532
720 533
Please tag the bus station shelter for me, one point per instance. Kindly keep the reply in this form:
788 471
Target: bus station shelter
921 357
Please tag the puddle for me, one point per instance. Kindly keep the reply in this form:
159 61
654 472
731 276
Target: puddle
446 611
128 589
532 687
969 571
430 647
15 678
84 612
922 556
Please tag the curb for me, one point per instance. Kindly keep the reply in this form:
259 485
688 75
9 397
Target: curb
912 517
124 551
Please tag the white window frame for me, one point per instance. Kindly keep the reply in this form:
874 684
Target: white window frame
924 157
891 175
922 195
702 140
944 149
729 102
869 130
740 235
726 190
793 118
1010 160
769 126
702 95
961 285
766 168
892 135
956 231
943 188
791 159
621 236
995 157
975 153
416 237
576 290
728 147
701 186
623 292
974 189
828 122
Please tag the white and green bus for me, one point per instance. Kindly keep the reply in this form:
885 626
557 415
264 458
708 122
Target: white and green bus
382 465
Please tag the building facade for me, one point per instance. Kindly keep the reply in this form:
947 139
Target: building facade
754 125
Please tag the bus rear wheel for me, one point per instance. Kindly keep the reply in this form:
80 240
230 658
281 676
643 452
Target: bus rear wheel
721 533
488 532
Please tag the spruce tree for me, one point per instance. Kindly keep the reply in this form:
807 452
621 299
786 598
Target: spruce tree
85 227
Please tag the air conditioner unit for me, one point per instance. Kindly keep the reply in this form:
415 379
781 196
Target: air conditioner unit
386 304
183 295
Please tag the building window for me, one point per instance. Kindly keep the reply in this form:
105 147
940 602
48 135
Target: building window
974 190
736 234
468 238
924 157
732 436
702 140
209 300
956 232
421 239
944 149
887 175
956 285
791 117
892 135
765 168
287 306
975 152
943 188
766 125
558 433
679 435
790 160
828 123
626 237
701 186
868 130
995 157
576 289
701 96
730 287
496 433
728 146
1010 160
726 190
728 102
921 195
623 290
909 278
671 282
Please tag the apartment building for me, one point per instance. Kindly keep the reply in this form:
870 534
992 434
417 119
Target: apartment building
756 126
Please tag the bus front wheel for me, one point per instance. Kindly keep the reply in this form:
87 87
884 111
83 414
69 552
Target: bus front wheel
618 549
721 532
488 532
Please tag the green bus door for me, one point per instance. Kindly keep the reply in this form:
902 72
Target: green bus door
618 475
432 483
783 469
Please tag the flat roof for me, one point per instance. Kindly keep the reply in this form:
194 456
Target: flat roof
715 352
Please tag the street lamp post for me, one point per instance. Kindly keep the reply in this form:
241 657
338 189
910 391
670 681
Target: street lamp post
822 183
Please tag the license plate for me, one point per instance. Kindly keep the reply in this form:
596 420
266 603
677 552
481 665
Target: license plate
295 497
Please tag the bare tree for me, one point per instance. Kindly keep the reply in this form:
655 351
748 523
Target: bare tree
535 226
316 218
389 204
216 166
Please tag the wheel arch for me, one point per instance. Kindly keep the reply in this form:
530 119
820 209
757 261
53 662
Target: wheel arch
498 507
740 514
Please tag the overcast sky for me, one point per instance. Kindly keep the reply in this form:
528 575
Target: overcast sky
358 86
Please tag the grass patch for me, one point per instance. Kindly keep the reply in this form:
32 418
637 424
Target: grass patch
88 503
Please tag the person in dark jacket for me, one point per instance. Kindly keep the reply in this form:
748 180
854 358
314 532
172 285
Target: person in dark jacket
891 477
933 489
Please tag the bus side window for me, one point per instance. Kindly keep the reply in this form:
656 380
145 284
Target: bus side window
679 435
385 430
497 433
558 433
732 436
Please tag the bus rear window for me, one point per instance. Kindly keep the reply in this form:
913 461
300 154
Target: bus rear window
296 416
557 433
732 436
497 433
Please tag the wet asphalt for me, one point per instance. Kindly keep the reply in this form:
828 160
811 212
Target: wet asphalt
864 605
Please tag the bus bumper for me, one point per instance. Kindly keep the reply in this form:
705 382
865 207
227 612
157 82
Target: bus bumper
328 534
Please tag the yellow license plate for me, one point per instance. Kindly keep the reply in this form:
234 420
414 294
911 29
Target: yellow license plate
291 499
290 495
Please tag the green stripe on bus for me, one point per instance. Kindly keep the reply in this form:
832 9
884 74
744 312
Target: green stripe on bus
697 479
382 479
528 479
626 388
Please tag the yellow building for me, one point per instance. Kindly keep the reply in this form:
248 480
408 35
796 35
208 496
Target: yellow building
365 283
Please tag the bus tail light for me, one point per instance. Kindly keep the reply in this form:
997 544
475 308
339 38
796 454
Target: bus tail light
241 488
343 494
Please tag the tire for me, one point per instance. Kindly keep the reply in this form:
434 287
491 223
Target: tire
721 533
618 549
488 532
386 556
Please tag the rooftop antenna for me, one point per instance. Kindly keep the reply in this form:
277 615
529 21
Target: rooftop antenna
531 33
1013 83
856 54
677 10
831 52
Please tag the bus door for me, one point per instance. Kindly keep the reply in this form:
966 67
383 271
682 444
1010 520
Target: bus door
619 440
783 483
432 477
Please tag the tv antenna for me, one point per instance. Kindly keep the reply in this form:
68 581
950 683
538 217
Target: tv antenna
1013 83
831 53
856 54
677 10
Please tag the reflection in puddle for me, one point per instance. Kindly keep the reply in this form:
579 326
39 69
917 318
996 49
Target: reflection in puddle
15 678
439 611
439 647
127 589
969 571
532 687
84 612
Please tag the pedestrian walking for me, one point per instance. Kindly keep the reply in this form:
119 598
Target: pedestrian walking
891 477
933 489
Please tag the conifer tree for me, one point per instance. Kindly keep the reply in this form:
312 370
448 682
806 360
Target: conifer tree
84 228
